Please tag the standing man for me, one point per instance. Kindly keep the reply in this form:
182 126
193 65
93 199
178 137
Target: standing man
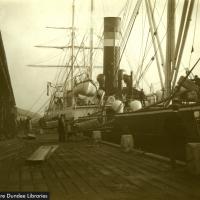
61 128
28 125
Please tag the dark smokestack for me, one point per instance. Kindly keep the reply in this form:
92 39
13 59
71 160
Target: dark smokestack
111 53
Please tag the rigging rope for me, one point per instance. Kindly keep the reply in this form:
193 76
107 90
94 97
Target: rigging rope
139 70
128 31
149 63
43 105
160 20
195 25
48 59
143 26
36 101
62 62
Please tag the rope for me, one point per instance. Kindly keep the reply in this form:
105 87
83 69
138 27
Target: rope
145 51
43 105
192 49
143 26
149 63
36 101
48 59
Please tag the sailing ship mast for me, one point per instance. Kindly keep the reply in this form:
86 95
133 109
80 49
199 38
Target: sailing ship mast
91 39
72 52
170 44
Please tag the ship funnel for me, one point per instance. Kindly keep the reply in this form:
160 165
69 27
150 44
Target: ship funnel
111 53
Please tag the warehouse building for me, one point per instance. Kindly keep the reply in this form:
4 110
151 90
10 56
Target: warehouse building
7 100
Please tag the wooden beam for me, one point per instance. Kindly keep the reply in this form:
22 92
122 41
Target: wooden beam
42 153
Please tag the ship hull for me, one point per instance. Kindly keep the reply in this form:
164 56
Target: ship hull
148 130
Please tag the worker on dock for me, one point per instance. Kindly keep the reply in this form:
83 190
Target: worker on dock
70 129
28 125
61 128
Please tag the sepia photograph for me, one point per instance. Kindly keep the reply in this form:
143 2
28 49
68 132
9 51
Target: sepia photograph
100 100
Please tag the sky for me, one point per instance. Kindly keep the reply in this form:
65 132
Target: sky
23 25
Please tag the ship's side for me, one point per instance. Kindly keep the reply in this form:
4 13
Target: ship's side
148 129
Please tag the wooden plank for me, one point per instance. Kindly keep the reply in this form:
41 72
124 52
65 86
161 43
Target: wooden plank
144 181
159 178
42 153
71 169
109 184
113 179
78 172
66 181
54 186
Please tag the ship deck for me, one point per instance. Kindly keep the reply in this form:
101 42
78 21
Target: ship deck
79 170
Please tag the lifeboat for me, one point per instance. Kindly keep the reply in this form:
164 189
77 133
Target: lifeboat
86 88
135 105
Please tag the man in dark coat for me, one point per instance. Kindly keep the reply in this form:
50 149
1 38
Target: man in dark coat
61 128
28 125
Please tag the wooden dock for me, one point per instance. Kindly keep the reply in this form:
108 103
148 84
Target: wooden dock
79 170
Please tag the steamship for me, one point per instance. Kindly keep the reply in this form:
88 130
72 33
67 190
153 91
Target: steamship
146 122
130 111
78 95
116 104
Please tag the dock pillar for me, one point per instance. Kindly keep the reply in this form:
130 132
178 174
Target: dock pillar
193 158
127 143
96 136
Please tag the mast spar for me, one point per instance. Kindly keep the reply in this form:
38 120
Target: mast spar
170 45
91 38
72 52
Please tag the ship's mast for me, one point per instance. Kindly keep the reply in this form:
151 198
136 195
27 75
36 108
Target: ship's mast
170 43
91 38
72 52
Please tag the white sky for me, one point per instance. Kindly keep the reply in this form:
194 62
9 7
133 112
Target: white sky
23 25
